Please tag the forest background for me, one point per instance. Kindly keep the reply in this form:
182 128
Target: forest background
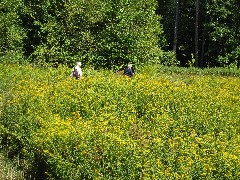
112 33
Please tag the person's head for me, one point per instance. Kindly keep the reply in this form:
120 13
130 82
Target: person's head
79 63
129 65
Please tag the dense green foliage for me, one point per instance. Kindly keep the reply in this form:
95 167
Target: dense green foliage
112 33
223 28
155 125
218 71
12 34
105 33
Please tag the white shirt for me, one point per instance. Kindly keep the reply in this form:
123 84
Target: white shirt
78 69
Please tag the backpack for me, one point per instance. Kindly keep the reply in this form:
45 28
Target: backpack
75 72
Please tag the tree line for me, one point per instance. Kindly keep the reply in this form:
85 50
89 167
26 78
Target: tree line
111 33
206 31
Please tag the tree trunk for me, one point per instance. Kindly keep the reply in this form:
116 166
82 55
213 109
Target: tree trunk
196 33
203 46
176 27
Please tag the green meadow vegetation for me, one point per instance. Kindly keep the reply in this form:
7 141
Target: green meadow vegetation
164 123
177 118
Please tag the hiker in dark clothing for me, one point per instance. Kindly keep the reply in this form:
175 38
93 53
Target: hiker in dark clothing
129 71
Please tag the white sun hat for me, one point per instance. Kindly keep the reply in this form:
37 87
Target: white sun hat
79 63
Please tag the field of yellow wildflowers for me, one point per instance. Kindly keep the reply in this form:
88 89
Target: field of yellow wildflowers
113 127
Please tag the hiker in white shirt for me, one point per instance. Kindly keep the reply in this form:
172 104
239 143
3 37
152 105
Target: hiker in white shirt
77 71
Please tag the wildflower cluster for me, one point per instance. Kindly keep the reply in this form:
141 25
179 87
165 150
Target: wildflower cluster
108 127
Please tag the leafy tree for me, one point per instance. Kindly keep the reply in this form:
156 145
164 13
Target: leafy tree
131 33
11 33
223 27
105 33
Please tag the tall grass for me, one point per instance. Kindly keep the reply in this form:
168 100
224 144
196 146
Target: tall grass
217 71
9 170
